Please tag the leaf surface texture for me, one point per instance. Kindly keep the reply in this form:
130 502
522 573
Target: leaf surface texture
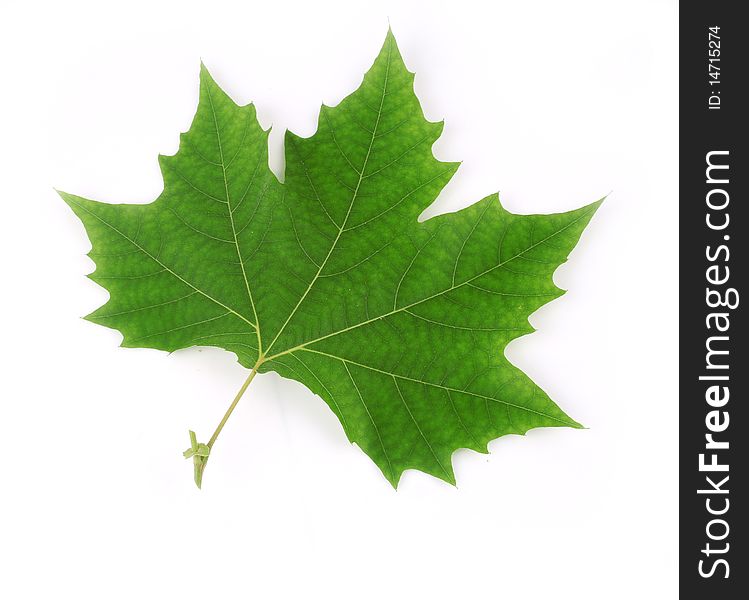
330 279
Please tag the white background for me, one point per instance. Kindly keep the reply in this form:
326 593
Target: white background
553 103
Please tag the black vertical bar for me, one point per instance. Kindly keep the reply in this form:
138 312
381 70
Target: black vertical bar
713 256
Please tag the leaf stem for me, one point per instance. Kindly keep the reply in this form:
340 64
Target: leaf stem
234 403
202 460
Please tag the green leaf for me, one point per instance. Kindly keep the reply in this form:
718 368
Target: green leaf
330 279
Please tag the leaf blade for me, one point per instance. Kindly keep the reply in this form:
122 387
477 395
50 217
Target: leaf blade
330 279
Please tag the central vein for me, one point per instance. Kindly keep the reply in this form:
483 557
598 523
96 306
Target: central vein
233 226
342 227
